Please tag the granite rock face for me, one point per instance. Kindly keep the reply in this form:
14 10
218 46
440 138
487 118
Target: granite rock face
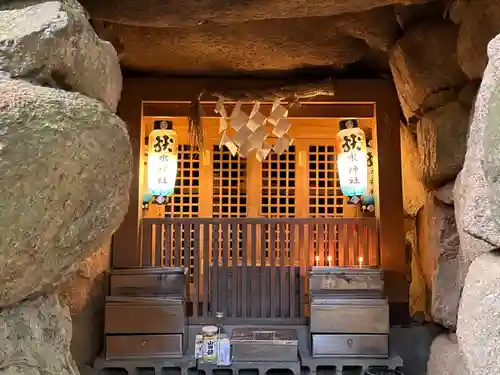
441 159
52 42
445 193
35 338
438 247
65 171
474 195
479 316
85 293
479 23
445 357
424 64
414 193
158 13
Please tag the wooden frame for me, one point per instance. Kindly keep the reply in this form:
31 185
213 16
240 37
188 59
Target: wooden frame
353 98
235 269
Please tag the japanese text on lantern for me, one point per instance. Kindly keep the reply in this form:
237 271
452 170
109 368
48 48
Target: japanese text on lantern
162 162
352 160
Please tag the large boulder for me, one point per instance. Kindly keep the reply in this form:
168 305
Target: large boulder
424 66
53 42
438 246
160 13
445 357
491 163
479 23
414 193
473 195
442 143
84 293
445 193
65 172
35 338
479 316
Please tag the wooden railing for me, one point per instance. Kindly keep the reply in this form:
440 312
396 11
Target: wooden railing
255 268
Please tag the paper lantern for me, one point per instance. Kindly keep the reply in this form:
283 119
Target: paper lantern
351 158
162 162
368 198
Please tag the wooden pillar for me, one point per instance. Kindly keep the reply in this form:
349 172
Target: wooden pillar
389 197
125 248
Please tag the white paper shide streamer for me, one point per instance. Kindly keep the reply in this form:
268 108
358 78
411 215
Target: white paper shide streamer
250 132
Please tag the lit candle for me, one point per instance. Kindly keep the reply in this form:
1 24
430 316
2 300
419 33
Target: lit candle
329 260
316 258
360 259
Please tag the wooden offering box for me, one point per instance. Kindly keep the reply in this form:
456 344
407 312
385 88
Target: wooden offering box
346 281
148 282
349 314
264 345
145 327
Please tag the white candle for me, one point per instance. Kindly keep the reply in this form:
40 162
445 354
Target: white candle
316 258
329 260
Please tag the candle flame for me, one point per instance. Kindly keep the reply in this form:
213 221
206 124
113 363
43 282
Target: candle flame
360 259
329 258
316 258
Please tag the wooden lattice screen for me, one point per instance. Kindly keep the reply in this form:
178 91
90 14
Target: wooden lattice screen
278 198
325 200
229 194
185 203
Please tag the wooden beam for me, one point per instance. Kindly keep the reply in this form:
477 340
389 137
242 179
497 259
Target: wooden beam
306 110
386 136
125 246
389 196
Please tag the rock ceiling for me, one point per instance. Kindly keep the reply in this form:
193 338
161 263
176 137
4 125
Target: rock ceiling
203 36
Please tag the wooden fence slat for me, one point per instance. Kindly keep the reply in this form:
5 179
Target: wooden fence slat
366 257
320 238
178 244
244 270
311 247
186 251
374 254
272 270
196 268
303 261
342 245
283 302
225 268
254 296
215 283
293 264
234 250
263 261
168 245
206 262
158 245
147 243
350 249
331 259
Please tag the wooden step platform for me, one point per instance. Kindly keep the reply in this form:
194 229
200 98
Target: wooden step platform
182 366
